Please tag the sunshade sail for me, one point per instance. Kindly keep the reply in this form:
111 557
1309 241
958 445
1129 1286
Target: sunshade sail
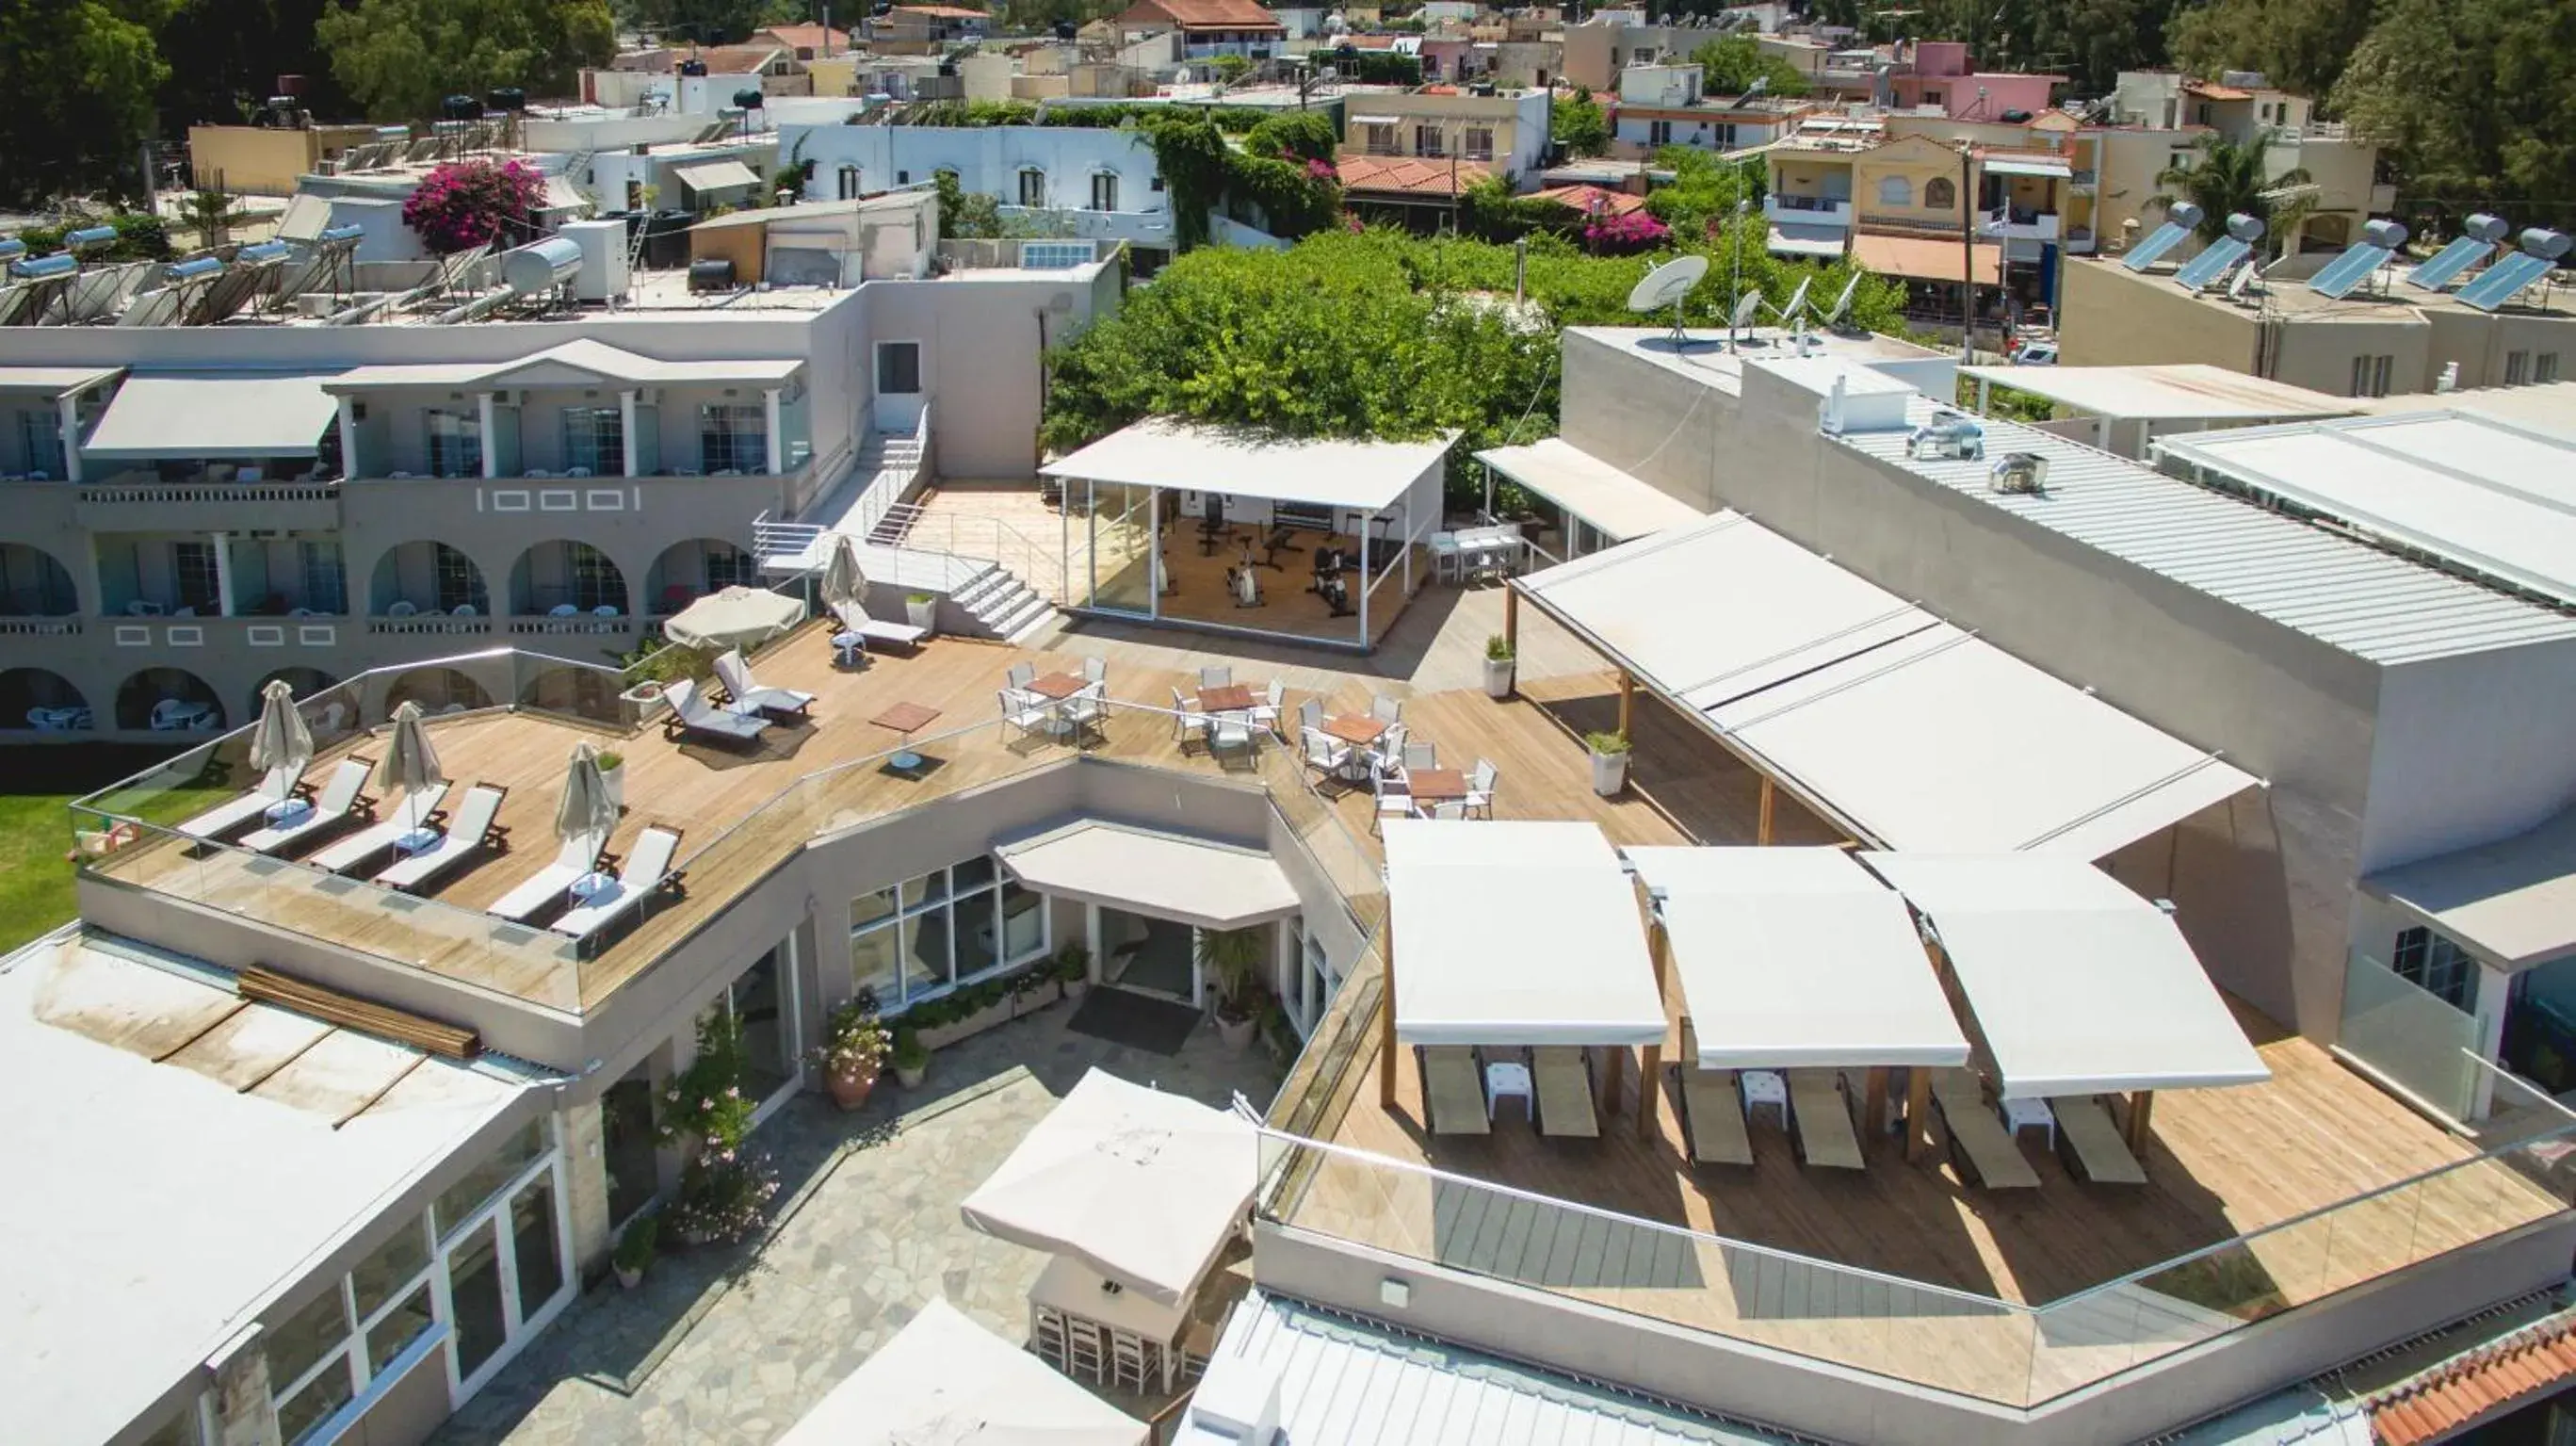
1162 452
716 175
1516 932
1807 240
1211 885
2179 391
1925 258
1142 1186
2078 986
1613 503
1798 957
946 1381
220 416
2057 166
735 617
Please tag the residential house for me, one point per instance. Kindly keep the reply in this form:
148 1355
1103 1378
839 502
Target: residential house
808 41
923 29
1206 29
1939 72
2169 112
1663 105
1073 181
1506 132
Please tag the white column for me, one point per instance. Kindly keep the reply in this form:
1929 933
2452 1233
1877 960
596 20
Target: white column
626 401
223 573
69 408
769 403
487 417
2495 994
348 436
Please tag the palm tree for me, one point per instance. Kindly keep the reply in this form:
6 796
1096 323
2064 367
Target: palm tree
2227 177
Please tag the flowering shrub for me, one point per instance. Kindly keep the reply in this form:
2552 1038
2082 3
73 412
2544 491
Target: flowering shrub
854 1041
1322 170
723 1190
467 203
1623 235
724 1194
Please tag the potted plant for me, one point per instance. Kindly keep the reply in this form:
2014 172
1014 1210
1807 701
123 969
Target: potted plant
1609 762
911 1058
1073 970
612 772
1498 667
1234 956
854 1050
921 609
635 1250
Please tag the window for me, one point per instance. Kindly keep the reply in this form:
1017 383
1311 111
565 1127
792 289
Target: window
2370 375
1104 190
1480 143
898 368
849 183
942 929
1940 194
729 566
1032 187
1155 185
1895 191
903 178
321 1357
595 439
40 441
1378 138
2436 964
1428 140
459 585
182 1429
326 587
595 581
192 573
455 444
733 438
2517 368
2544 367
1659 133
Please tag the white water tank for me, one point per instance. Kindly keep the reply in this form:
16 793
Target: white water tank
540 265
603 257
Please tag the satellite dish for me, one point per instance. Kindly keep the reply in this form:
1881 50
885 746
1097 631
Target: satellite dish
1666 285
1746 309
1842 304
1797 306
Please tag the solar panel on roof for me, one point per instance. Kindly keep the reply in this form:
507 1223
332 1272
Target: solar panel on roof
2208 266
2505 280
2349 270
2446 267
2153 248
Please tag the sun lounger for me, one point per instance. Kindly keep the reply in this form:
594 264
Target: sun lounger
735 674
648 868
470 834
855 619
235 814
2091 1146
1562 1074
547 885
1453 1091
340 804
1822 1113
1977 1139
378 837
1712 1112
691 713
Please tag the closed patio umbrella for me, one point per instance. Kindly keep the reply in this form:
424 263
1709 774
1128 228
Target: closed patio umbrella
585 808
842 580
737 617
410 762
279 739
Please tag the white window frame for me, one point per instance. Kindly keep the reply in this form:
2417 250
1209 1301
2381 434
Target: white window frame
947 901
1028 174
1104 190
517 1329
1659 132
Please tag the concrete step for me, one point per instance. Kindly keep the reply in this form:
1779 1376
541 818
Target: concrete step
1032 616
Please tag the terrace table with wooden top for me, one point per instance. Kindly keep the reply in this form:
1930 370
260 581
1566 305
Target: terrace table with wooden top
1356 729
906 719
1434 785
1058 686
1232 698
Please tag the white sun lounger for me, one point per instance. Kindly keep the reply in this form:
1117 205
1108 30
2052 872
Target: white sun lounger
1452 1092
470 833
648 867
339 804
1712 1112
1822 1113
1562 1074
234 814
2091 1145
691 713
548 884
1977 1138
378 837
735 673
855 619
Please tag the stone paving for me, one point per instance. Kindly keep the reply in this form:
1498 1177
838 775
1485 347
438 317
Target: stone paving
733 1344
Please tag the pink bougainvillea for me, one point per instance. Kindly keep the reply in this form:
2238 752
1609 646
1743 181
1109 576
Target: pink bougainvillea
1623 235
1321 170
468 203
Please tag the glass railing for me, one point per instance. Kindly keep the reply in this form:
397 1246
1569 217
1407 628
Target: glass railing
2417 1040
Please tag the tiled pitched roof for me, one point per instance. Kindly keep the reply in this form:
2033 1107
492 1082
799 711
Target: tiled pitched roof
1212 14
2477 1385
1592 200
1402 175
808 37
749 59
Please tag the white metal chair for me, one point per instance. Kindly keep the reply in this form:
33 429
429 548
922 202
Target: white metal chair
1392 800
1420 753
1310 716
1389 749
1189 720
1026 712
1019 675
1219 676
1266 713
1326 753
1095 670
1087 712
1451 808
1480 789
1385 709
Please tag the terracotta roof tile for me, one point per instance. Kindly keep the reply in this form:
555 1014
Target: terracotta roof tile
1399 175
2477 1385
1207 14
1591 200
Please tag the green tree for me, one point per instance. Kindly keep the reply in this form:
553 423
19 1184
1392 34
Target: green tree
2092 41
234 51
1576 122
962 215
81 76
1730 64
1231 68
2225 178
2474 104
399 58
710 22
2299 45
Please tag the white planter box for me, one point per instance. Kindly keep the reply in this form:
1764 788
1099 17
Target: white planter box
923 615
1498 678
1609 773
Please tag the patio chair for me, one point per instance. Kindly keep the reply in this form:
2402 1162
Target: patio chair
1219 676
1392 800
1562 1074
235 814
377 838
1325 753
1421 753
1019 675
1821 1112
856 620
340 804
1453 1090
1310 715
1230 736
1480 789
1095 670
1385 709
2091 1146
1266 713
1027 712
1447 808
691 714
1984 1153
547 885
1712 1112
470 834
1389 748
734 672
1189 720
1087 712
647 872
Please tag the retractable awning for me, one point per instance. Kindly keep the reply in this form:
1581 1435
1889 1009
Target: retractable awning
716 175
1172 454
1610 501
1806 241
1211 885
2057 166
223 416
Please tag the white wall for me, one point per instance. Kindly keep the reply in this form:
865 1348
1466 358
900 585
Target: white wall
2469 750
987 159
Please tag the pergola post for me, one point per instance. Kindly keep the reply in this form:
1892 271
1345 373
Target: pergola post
1386 1031
1627 703
1512 618
1762 814
1918 1112
1651 1078
2142 1105
1610 1082
1874 1103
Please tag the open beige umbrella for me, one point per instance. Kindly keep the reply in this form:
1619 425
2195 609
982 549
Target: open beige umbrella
737 617
842 580
410 762
279 739
585 809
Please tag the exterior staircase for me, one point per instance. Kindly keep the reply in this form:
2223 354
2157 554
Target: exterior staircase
1004 603
888 463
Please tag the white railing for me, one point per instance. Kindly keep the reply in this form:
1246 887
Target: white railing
151 494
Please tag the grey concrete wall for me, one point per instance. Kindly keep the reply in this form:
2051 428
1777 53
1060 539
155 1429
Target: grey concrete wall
980 340
2471 749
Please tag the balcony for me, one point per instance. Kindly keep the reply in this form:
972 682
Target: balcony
2084 181
132 503
1834 211
2017 223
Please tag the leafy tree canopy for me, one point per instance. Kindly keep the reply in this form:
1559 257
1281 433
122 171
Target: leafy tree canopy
1730 64
710 22
1577 123
2299 45
2475 103
2224 178
81 79
399 58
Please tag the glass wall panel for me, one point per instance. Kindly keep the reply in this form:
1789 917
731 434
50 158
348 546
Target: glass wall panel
399 1328
532 1244
310 1407
395 1262
467 1195
310 1334
474 1288
1121 527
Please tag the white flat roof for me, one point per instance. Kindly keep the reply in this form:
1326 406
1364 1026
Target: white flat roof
54 381
2485 494
159 1206
240 416
2512 902
1706 357
1212 885
1797 957
1340 472
1908 730
576 363
1614 503
2078 986
1516 932
945 1379
2187 391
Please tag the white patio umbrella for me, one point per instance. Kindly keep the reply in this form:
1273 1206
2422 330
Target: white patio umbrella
946 1381
279 739
585 808
842 580
410 762
737 617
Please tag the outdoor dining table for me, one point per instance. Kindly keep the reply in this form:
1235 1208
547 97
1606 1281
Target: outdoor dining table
1232 698
1357 729
906 719
1057 686
1435 785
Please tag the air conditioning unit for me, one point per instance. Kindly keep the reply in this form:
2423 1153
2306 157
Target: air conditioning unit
2018 474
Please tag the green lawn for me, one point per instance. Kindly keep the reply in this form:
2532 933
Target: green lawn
36 784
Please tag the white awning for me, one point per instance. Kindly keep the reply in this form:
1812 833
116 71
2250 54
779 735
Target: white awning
1372 120
2057 166
1807 241
2078 986
2511 902
1339 472
1516 932
944 1378
1211 885
716 175
54 381
581 362
1613 503
1142 1186
563 195
1797 957
2179 391
219 416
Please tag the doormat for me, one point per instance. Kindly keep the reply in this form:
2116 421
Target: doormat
1122 1016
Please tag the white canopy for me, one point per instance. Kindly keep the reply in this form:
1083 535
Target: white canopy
2079 986
581 362
1212 885
2174 392
222 416
946 1381
2029 165
1612 502
1516 932
1165 452
1795 957
716 175
734 617
53 381
1141 1186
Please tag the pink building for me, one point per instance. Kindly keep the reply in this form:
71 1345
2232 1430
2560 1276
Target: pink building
1942 75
